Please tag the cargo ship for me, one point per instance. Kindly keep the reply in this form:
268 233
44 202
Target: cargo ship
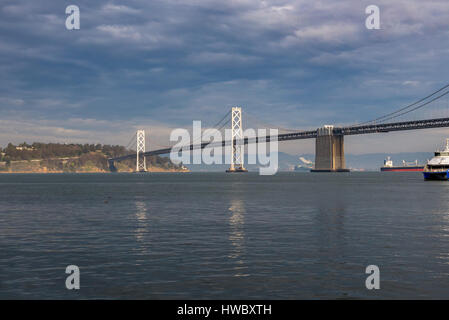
406 166
437 168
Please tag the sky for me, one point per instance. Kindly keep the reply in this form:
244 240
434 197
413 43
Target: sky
159 65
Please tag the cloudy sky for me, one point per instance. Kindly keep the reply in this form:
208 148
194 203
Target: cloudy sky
161 64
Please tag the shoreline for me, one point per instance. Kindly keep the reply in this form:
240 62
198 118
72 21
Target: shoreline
93 171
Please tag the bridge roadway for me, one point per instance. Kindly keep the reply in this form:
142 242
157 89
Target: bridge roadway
351 130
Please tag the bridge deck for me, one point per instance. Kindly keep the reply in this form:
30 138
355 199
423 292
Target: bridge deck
365 129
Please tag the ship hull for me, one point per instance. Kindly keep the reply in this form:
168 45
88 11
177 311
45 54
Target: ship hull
436 175
236 170
403 169
329 170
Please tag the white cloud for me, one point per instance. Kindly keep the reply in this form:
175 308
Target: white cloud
411 83
220 57
150 35
125 32
301 63
80 130
333 33
112 8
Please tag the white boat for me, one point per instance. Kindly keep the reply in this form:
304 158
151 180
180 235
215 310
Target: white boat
437 168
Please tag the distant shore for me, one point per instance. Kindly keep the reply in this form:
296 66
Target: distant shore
44 170
75 158
60 171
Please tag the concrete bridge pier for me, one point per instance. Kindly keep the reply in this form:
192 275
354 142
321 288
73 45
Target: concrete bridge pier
112 167
329 151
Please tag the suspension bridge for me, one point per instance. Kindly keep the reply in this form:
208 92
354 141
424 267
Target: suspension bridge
329 139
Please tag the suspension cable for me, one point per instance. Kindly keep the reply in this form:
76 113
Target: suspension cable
131 141
418 107
267 124
389 115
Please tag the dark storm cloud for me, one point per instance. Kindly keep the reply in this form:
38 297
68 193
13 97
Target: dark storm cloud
165 63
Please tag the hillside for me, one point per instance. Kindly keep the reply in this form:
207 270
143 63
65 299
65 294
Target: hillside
58 157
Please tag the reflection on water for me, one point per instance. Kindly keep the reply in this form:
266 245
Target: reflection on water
443 210
331 241
441 217
330 222
142 224
173 236
237 234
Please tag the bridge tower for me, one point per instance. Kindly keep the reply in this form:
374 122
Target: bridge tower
237 149
329 151
140 158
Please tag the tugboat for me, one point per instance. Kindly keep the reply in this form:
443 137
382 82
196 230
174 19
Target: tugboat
437 168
